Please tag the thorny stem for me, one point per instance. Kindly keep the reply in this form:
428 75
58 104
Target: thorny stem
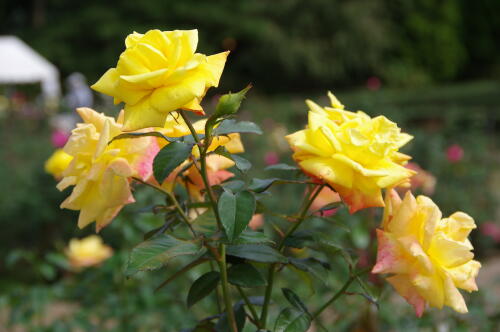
272 269
211 197
171 196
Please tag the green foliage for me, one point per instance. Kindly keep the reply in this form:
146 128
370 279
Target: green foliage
171 156
292 320
231 126
158 251
235 211
202 287
256 252
245 275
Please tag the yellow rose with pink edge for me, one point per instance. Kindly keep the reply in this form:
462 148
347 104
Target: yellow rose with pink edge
100 172
427 258
355 154
88 251
160 72
57 163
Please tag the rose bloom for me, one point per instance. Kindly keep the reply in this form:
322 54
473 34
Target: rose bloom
454 153
159 72
57 163
428 258
87 252
100 171
355 154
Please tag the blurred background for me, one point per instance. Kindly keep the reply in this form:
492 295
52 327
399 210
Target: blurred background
431 66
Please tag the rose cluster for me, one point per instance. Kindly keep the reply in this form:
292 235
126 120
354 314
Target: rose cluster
354 156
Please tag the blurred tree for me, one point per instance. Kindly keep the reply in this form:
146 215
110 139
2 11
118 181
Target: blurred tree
278 45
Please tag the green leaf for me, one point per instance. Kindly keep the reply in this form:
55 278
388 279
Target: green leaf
299 239
245 275
230 103
292 320
158 251
231 126
236 211
281 167
256 252
234 185
252 237
367 291
260 185
241 163
202 286
139 135
294 300
312 266
239 315
169 158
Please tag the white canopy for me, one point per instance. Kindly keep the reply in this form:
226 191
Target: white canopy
20 64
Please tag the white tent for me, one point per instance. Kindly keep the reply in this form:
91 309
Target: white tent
20 64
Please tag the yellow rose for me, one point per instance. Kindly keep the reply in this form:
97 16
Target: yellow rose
428 258
355 154
87 252
100 171
158 73
57 163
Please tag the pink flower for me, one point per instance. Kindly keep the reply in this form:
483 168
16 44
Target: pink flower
454 153
492 230
271 158
373 83
59 138
422 179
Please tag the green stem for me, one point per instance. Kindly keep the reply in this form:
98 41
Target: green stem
249 305
211 197
203 170
225 289
272 269
337 295
172 198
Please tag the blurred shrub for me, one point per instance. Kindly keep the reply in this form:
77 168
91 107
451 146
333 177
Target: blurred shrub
278 45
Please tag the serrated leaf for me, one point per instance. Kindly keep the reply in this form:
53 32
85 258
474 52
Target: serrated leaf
158 251
294 300
281 167
260 185
245 275
231 126
139 135
236 211
169 158
241 163
292 320
256 252
202 286
234 185
312 266
252 237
